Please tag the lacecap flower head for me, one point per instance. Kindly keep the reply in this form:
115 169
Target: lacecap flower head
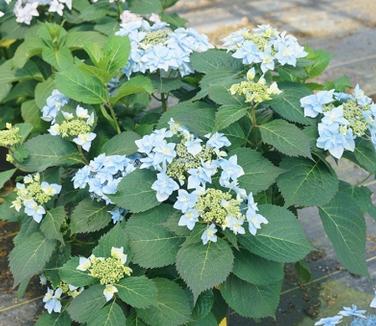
76 126
10 136
344 118
264 45
108 270
33 194
155 46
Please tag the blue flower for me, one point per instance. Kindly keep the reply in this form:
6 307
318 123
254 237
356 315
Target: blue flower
54 103
164 186
370 321
360 97
217 140
249 53
194 146
329 321
185 200
209 234
352 311
202 175
117 214
313 104
335 115
84 140
189 219
253 218
231 171
34 210
52 300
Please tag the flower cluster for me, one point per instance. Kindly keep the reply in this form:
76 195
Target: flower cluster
352 311
255 91
155 46
53 296
264 45
189 161
33 194
344 117
10 136
54 103
103 175
77 126
108 270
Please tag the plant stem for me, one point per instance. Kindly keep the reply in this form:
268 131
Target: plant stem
164 98
82 154
114 118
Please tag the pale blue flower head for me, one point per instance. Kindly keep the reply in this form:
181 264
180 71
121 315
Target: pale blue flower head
164 186
209 234
313 104
267 60
249 53
288 49
189 219
217 140
54 103
117 214
85 140
231 170
34 210
52 300
329 321
360 96
335 115
352 311
201 176
369 321
235 224
194 146
185 200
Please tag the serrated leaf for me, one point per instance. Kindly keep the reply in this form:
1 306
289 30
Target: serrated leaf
256 270
204 266
71 275
31 113
137 291
152 245
116 237
215 60
54 319
306 182
286 138
45 151
252 301
345 226
5 176
173 305
204 305
134 191
109 315
198 117
287 104
135 85
42 91
365 155
52 222
235 134
81 86
227 115
221 95
115 54
121 144
281 240
30 256
145 7
259 173
83 307
89 216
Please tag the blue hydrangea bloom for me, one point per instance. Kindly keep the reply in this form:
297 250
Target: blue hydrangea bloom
164 186
54 103
352 311
368 321
329 321
313 104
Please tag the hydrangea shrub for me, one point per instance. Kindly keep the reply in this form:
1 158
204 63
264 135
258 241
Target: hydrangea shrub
157 178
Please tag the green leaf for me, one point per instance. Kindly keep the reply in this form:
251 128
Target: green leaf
203 267
306 182
114 238
45 151
145 7
320 60
82 307
121 144
287 104
227 115
137 291
221 95
54 319
215 60
198 117
29 256
286 138
151 244
31 113
81 86
42 91
256 270
134 191
252 301
58 58
345 226
115 54
5 176
204 305
259 173
89 216
281 240
135 85
208 320
173 305
235 134
71 275
365 155
52 222
109 315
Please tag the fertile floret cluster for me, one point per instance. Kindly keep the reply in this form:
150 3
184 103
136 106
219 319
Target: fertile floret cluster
10 136
76 126
264 45
108 270
155 46
103 175
345 117
188 161
33 194
255 91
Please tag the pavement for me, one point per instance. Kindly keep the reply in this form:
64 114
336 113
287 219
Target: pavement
347 29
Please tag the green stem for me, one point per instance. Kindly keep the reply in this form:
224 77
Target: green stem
114 118
82 154
164 98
